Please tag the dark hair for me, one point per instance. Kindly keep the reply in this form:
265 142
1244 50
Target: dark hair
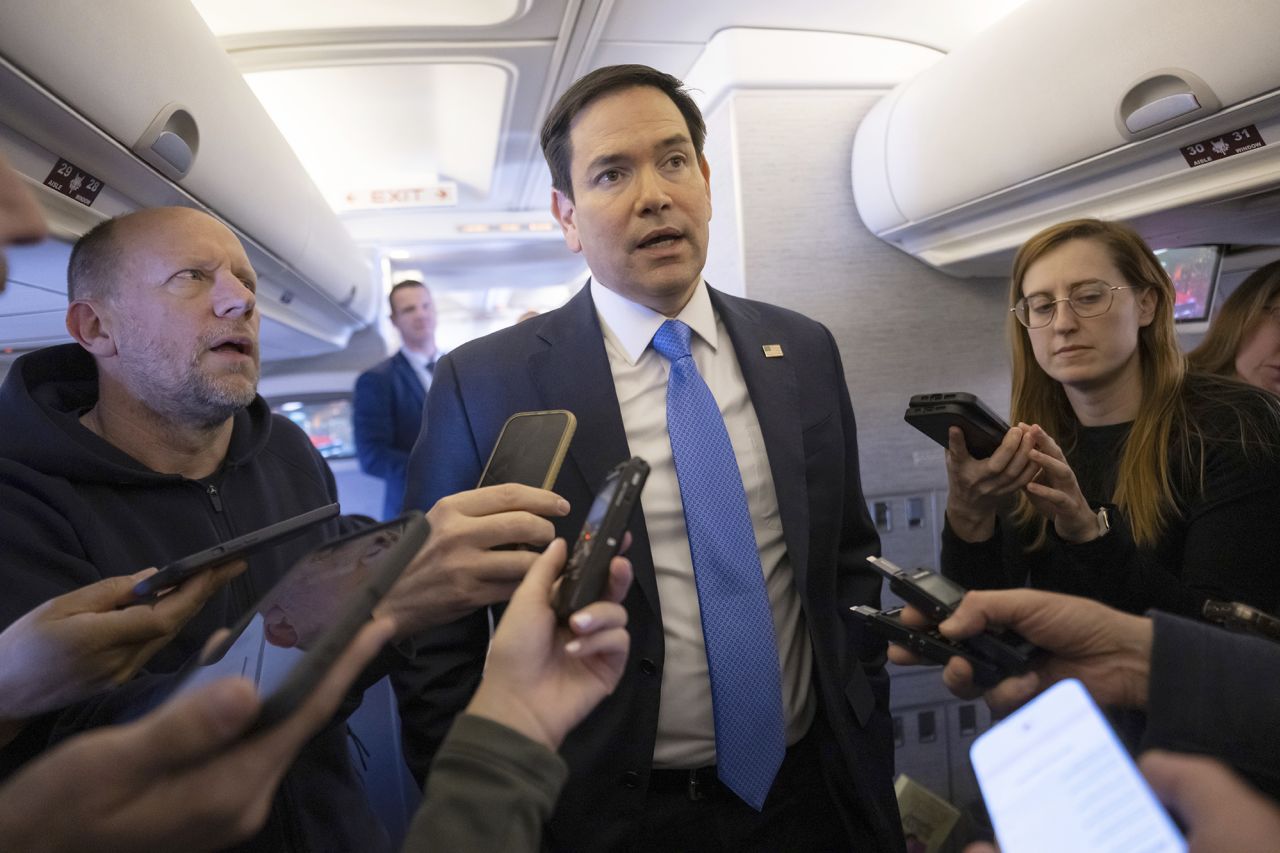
94 257
402 285
612 78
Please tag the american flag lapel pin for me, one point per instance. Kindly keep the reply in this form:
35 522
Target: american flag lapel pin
772 350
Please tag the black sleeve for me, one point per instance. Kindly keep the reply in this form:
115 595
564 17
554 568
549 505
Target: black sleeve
1224 543
991 564
1231 550
1217 693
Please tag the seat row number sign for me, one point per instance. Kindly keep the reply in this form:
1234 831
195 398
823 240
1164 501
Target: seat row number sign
1220 147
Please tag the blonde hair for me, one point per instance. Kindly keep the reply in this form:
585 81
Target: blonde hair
1144 486
1238 318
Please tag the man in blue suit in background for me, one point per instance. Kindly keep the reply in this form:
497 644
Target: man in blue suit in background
390 395
752 715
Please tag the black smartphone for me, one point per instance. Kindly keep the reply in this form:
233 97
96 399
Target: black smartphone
288 641
149 589
929 592
926 642
586 574
530 449
935 414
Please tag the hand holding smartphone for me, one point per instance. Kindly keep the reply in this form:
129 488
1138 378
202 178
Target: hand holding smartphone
1056 779
530 449
292 636
586 574
927 643
1001 653
173 574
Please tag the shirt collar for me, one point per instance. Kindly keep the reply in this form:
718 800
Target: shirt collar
417 359
633 325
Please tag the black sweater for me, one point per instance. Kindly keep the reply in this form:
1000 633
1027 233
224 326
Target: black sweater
1223 543
74 509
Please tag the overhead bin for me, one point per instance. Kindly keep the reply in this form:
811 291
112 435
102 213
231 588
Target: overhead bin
1071 108
139 96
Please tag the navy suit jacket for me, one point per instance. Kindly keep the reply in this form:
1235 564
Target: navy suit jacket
558 361
387 418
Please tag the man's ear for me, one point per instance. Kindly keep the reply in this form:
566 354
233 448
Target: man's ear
705 168
563 210
91 329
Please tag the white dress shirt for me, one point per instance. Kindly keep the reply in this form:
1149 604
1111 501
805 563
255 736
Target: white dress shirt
686 728
423 365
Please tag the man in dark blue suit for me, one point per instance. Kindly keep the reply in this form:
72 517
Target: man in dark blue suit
390 395
742 411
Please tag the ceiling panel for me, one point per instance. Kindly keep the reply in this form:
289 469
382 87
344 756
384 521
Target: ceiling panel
358 128
941 24
235 17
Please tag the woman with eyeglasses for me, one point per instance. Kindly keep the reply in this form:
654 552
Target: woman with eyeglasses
1244 338
1129 479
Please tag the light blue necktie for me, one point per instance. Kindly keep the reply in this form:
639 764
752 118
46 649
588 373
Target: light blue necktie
737 624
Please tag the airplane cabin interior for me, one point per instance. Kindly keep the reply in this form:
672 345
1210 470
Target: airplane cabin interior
873 165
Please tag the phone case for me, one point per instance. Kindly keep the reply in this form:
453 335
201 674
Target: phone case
586 574
510 456
935 414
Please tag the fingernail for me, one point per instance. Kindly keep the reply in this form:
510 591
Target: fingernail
573 646
581 621
563 506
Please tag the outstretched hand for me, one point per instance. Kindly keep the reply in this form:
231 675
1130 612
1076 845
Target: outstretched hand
79 643
458 570
543 678
181 778
1108 650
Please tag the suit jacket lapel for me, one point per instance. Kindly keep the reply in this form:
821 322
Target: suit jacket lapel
410 379
771 383
573 373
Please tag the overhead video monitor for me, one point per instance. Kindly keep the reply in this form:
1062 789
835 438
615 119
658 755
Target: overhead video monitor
1194 271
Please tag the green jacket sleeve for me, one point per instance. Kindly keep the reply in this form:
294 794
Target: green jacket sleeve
489 788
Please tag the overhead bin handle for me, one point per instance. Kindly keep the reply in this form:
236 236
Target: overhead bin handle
1162 100
1161 110
170 142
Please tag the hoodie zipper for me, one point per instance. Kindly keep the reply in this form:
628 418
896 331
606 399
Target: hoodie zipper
214 497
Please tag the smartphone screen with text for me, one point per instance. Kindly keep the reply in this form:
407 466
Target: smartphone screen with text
1056 779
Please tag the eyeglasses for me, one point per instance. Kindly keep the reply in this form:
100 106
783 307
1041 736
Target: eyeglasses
1087 299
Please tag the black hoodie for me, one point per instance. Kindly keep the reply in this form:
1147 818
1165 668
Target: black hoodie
75 509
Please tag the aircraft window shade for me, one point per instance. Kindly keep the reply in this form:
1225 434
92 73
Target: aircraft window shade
326 419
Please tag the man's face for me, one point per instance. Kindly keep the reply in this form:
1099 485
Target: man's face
20 218
181 314
413 313
642 198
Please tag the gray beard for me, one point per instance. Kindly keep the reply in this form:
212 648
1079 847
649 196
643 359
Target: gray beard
192 399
